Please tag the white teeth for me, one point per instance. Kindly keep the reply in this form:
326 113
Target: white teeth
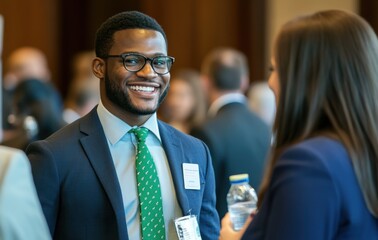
142 88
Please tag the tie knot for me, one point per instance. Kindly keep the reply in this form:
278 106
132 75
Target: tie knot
140 133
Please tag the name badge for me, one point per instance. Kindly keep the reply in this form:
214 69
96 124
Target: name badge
187 228
191 176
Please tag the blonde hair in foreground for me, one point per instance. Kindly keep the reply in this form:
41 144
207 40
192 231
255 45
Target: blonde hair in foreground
327 66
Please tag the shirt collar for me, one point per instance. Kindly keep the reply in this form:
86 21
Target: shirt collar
115 128
224 100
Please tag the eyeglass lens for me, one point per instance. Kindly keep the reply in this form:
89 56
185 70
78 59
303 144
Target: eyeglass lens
160 64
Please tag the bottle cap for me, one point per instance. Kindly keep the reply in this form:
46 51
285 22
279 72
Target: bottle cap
239 178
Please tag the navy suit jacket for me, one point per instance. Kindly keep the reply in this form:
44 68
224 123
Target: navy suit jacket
239 142
314 194
79 190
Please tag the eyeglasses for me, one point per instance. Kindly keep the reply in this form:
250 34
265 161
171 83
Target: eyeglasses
134 62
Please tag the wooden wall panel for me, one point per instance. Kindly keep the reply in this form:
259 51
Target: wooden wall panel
61 28
178 20
196 27
32 23
252 36
217 25
369 11
80 20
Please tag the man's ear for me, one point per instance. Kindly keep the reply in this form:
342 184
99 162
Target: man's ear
205 81
98 67
244 85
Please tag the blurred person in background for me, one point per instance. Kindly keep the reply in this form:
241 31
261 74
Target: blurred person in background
37 114
23 63
237 138
261 100
322 179
185 104
83 93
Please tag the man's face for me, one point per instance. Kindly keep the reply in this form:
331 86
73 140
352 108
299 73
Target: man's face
139 92
25 63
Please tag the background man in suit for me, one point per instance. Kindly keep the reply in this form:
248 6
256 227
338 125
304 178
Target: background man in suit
238 140
23 64
85 173
21 215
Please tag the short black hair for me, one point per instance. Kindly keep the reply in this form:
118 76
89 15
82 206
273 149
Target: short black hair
226 67
121 21
226 77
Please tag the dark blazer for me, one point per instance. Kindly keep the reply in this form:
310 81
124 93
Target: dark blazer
239 142
79 190
314 194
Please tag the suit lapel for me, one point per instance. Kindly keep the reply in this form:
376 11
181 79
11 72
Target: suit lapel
96 148
175 155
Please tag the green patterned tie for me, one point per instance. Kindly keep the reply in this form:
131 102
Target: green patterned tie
150 201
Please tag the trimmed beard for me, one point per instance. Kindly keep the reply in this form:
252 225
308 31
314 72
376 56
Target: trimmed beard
123 101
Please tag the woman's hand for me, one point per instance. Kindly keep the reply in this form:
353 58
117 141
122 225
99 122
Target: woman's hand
228 233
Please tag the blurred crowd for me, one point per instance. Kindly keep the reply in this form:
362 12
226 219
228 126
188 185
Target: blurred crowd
200 103
33 108
313 160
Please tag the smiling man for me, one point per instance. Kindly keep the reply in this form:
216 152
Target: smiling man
119 172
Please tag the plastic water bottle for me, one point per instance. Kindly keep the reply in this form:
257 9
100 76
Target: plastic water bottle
241 200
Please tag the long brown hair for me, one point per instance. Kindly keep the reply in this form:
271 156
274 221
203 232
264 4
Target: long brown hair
192 78
327 64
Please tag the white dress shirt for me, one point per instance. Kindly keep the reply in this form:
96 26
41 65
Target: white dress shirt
224 100
122 147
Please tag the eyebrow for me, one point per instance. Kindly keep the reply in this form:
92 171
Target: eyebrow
154 55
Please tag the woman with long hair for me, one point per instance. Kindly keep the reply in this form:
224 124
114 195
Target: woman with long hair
184 107
322 179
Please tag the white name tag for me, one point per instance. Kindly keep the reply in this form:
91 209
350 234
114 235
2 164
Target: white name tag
191 176
187 228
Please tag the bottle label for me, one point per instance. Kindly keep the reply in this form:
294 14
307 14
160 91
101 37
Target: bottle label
239 213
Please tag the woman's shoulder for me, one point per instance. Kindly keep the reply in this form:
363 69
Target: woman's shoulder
322 153
320 143
325 163
321 148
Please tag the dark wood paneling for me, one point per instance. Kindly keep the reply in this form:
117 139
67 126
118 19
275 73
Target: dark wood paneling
178 20
252 36
80 20
369 11
74 35
32 23
194 27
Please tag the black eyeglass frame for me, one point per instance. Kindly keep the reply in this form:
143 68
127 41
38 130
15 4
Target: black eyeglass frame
151 60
